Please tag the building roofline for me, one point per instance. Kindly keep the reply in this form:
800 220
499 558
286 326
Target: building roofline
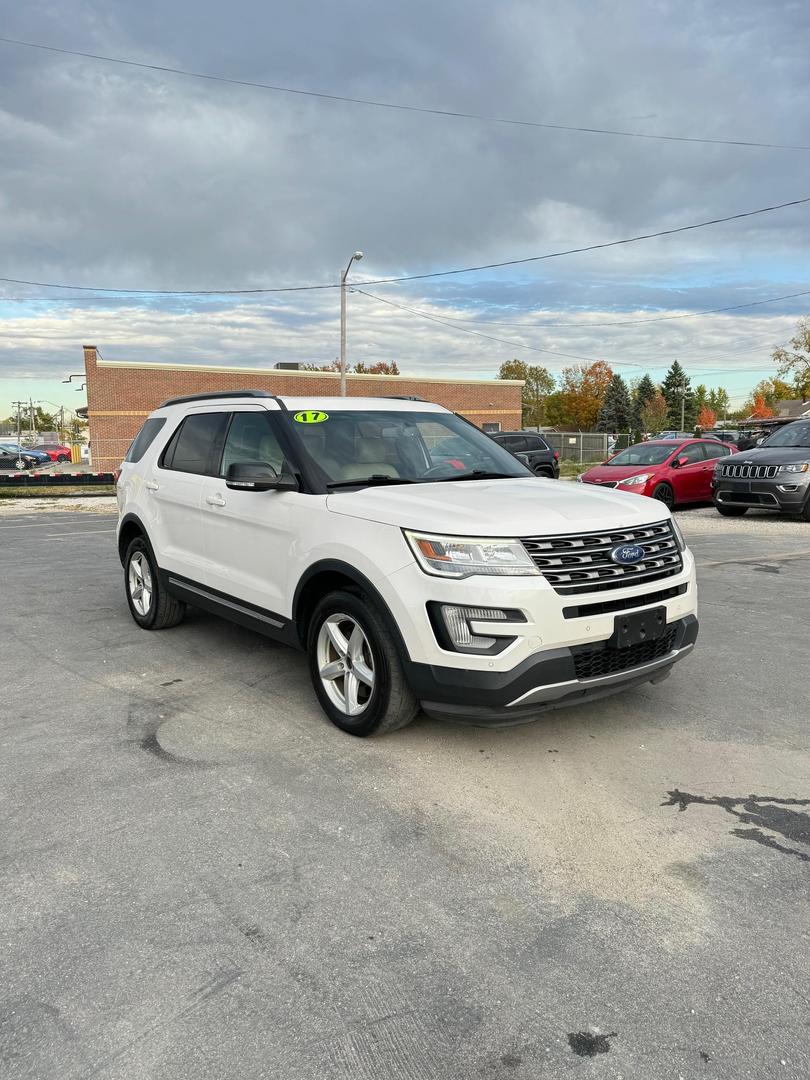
352 376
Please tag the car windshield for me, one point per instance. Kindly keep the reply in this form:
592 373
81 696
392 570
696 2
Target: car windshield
353 448
793 435
643 454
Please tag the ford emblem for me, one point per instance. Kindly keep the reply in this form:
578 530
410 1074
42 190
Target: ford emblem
627 554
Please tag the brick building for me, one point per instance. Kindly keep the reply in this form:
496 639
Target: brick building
120 394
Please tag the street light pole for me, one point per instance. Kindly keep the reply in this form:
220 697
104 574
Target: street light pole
356 257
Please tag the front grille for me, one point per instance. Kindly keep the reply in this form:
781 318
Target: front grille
750 472
603 483
582 564
593 662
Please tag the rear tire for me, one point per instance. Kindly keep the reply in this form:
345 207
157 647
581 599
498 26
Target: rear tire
355 668
664 494
731 511
150 605
542 470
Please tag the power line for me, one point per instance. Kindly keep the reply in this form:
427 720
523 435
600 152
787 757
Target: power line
488 337
451 113
628 322
414 277
590 247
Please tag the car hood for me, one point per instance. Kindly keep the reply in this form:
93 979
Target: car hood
530 507
602 473
772 455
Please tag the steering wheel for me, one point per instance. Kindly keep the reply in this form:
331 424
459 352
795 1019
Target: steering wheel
443 468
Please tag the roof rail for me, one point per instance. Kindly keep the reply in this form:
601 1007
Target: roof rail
214 394
401 397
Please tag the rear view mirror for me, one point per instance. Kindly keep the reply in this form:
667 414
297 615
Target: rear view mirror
257 476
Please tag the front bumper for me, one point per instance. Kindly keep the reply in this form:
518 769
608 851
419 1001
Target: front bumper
783 494
546 680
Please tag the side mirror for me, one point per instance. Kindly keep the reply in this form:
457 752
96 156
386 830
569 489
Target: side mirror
679 462
257 476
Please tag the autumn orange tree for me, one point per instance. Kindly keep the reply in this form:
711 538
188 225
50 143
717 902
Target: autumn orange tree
761 410
706 419
582 392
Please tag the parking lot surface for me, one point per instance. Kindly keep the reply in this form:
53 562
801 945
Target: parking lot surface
202 878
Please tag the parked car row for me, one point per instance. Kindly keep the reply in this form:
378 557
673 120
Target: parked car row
673 471
15 456
773 474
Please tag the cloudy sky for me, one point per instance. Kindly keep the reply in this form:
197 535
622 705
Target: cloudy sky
121 178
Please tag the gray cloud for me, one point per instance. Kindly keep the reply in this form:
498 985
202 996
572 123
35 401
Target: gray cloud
110 176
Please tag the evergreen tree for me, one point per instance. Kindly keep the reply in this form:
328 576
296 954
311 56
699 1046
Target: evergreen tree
614 414
644 392
679 396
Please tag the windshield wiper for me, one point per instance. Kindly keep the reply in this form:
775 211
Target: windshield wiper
375 480
479 474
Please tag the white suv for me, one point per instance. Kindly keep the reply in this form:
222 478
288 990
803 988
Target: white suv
415 561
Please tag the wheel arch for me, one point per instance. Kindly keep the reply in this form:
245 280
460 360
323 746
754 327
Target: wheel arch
130 527
327 576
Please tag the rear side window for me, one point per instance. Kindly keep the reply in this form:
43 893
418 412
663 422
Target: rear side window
196 445
713 451
144 439
693 453
536 443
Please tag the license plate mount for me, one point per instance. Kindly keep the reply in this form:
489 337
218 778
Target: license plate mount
640 626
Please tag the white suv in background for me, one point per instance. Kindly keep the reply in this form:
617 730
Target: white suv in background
415 561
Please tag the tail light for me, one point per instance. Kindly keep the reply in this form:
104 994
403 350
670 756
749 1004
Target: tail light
556 456
116 474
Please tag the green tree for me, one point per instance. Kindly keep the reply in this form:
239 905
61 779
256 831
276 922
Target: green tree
643 392
680 398
795 360
654 414
614 415
382 367
718 402
538 383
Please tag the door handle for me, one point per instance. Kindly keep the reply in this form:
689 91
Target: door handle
151 485
214 500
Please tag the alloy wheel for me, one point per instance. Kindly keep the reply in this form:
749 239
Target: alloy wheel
345 663
139 579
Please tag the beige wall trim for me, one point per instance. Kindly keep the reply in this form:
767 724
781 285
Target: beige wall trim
149 366
140 412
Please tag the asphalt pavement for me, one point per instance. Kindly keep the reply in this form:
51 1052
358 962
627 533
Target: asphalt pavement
201 878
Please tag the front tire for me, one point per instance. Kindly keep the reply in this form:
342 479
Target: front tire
62 458
150 605
355 669
730 511
664 494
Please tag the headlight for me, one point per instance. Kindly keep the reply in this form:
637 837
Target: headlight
642 478
579 478
679 537
460 557
800 466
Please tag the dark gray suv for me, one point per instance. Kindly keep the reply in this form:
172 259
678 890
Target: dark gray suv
532 449
773 476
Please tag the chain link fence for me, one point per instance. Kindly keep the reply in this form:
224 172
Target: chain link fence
586 447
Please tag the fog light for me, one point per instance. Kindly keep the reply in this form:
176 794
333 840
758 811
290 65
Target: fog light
458 619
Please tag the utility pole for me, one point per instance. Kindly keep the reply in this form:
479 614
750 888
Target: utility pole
355 258
19 406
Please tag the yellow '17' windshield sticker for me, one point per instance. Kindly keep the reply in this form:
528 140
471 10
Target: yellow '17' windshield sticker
310 417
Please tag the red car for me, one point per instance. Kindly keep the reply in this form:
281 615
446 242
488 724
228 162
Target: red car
55 452
674 472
